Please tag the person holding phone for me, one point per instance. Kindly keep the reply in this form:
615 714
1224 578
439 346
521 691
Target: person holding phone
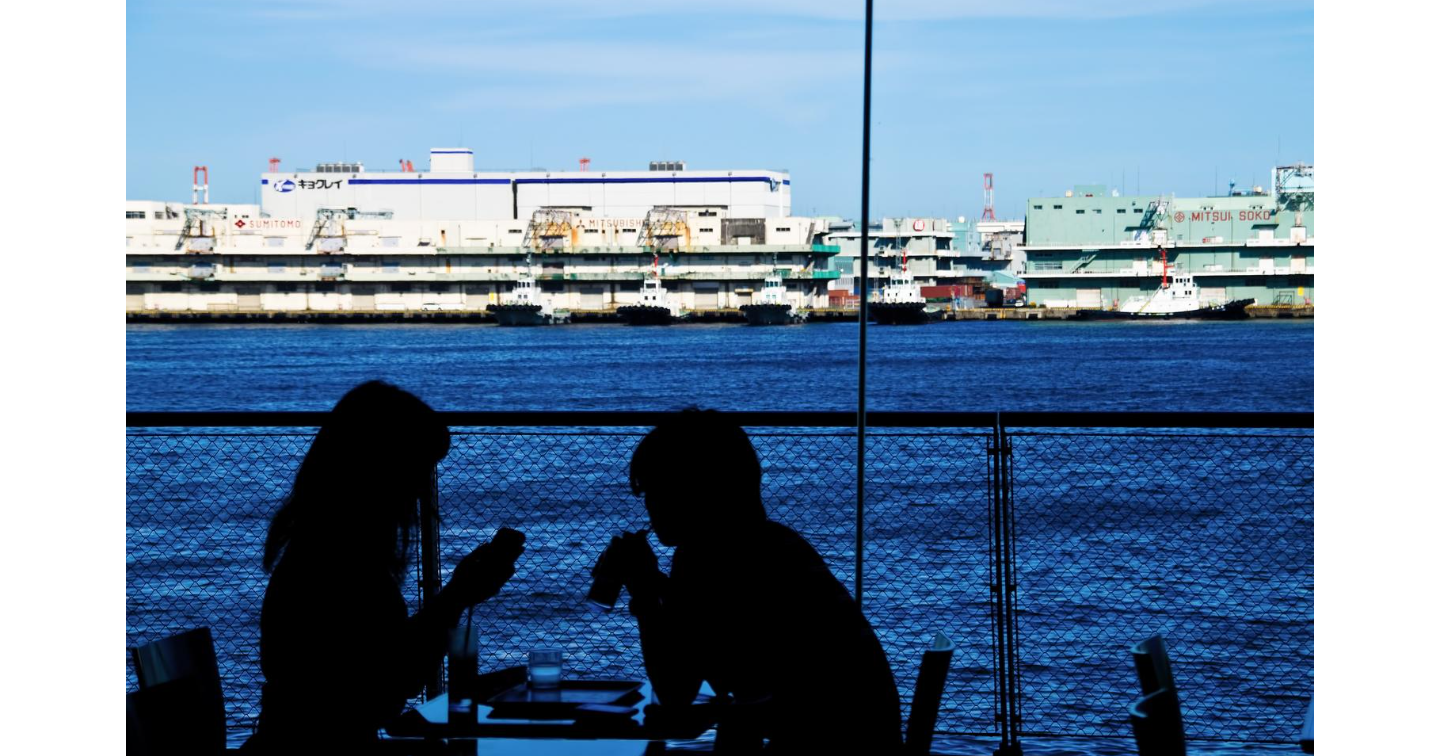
340 653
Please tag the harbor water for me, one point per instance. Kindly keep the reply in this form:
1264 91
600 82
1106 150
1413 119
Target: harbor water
947 366
932 533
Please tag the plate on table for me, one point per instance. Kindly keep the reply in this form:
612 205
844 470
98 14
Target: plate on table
524 702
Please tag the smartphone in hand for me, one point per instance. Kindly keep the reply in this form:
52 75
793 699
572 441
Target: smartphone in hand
509 543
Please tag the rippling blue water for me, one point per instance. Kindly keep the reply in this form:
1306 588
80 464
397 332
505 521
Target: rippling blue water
950 366
185 500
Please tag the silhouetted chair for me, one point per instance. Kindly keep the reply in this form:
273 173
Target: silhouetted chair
169 720
180 707
1307 733
1156 716
1152 664
1156 722
925 706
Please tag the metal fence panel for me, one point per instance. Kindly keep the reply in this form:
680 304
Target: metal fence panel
197 505
927 553
1204 538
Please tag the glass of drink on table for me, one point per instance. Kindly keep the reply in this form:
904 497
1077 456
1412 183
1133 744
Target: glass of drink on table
546 667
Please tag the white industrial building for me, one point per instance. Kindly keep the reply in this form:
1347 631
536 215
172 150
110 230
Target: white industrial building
453 190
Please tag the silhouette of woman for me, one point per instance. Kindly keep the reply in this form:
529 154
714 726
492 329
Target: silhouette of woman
339 653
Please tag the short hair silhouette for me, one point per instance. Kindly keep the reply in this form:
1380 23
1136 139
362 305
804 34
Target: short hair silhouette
743 592
362 481
707 455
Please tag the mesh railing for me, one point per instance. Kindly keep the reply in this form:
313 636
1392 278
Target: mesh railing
197 506
1204 537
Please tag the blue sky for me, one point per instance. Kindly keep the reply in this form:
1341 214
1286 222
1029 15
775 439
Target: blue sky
1043 93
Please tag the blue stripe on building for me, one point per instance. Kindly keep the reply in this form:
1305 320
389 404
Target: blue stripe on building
663 180
636 180
429 181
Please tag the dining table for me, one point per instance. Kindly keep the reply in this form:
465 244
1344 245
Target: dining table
437 727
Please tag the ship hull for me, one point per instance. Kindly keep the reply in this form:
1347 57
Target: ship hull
519 315
767 314
1233 310
899 313
645 315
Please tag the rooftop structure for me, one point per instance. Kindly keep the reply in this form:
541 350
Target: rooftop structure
452 189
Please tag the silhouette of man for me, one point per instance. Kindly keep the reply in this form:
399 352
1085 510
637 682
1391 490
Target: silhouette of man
749 605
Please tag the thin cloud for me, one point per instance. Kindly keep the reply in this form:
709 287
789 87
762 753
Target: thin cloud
569 10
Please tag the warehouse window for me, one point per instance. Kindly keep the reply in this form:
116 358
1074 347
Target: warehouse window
1080 212
781 229
1137 210
1119 209
135 214
1096 211
707 230
1059 207
1038 207
517 230
592 230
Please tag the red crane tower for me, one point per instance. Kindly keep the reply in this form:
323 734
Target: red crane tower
198 187
274 165
584 164
989 212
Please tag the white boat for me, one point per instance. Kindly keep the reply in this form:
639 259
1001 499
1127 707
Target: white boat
1177 298
900 300
772 307
523 307
655 306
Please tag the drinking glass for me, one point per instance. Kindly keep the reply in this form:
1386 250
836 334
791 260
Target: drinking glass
546 666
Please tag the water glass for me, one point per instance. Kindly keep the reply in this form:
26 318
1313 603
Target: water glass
546 666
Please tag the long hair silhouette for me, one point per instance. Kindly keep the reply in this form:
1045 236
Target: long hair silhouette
364 479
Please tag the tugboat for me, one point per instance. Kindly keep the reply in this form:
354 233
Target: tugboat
523 307
1176 299
770 307
655 306
900 301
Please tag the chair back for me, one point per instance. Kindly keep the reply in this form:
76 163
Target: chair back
170 719
180 706
1152 665
1156 722
925 706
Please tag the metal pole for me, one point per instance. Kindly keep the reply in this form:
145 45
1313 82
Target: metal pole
864 319
1007 651
430 561
997 582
